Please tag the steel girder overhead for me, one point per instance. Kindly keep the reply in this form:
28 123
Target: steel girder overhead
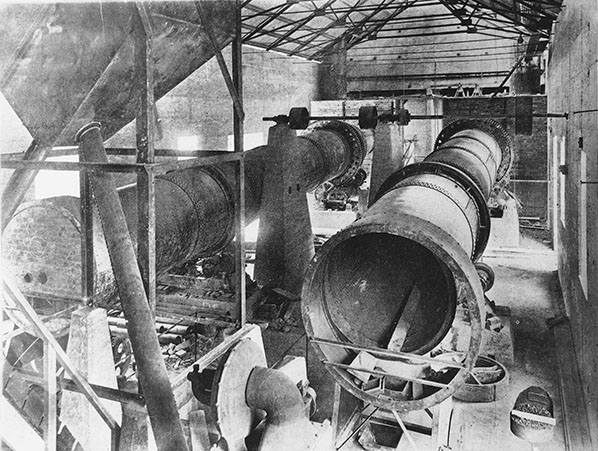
313 28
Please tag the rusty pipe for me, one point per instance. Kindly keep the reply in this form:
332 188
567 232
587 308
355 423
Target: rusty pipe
287 426
410 254
152 374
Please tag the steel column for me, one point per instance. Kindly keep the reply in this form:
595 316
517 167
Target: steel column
238 122
146 194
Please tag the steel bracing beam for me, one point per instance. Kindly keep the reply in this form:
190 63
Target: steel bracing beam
450 7
232 89
480 16
378 27
260 30
261 26
145 137
349 34
341 19
509 13
300 24
238 127
15 299
364 19
504 82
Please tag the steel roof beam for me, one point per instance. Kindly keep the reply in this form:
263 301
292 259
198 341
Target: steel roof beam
301 23
447 57
366 8
259 12
329 26
534 6
265 44
245 3
379 26
453 11
280 17
415 18
504 12
424 61
348 34
423 44
441 33
270 19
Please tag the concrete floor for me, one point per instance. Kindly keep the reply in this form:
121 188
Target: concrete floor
527 283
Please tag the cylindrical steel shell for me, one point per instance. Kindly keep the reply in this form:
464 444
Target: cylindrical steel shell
438 200
319 160
420 236
194 215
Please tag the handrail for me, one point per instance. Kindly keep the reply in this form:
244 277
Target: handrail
10 289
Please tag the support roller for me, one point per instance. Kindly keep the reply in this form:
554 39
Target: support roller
404 267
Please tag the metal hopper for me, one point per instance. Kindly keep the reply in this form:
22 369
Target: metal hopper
63 65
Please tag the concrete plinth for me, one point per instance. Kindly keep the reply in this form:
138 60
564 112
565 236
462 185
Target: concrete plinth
285 240
388 155
504 232
90 350
136 431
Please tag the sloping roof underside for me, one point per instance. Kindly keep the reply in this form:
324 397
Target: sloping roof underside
312 28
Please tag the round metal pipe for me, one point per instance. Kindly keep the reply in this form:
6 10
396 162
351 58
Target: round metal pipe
287 425
152 374
407 263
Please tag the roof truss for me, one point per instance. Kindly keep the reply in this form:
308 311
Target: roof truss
313 29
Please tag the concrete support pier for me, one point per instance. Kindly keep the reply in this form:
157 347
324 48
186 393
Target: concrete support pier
90 350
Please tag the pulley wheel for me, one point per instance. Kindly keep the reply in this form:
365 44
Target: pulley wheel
403 117
486 274
298 118
368 117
